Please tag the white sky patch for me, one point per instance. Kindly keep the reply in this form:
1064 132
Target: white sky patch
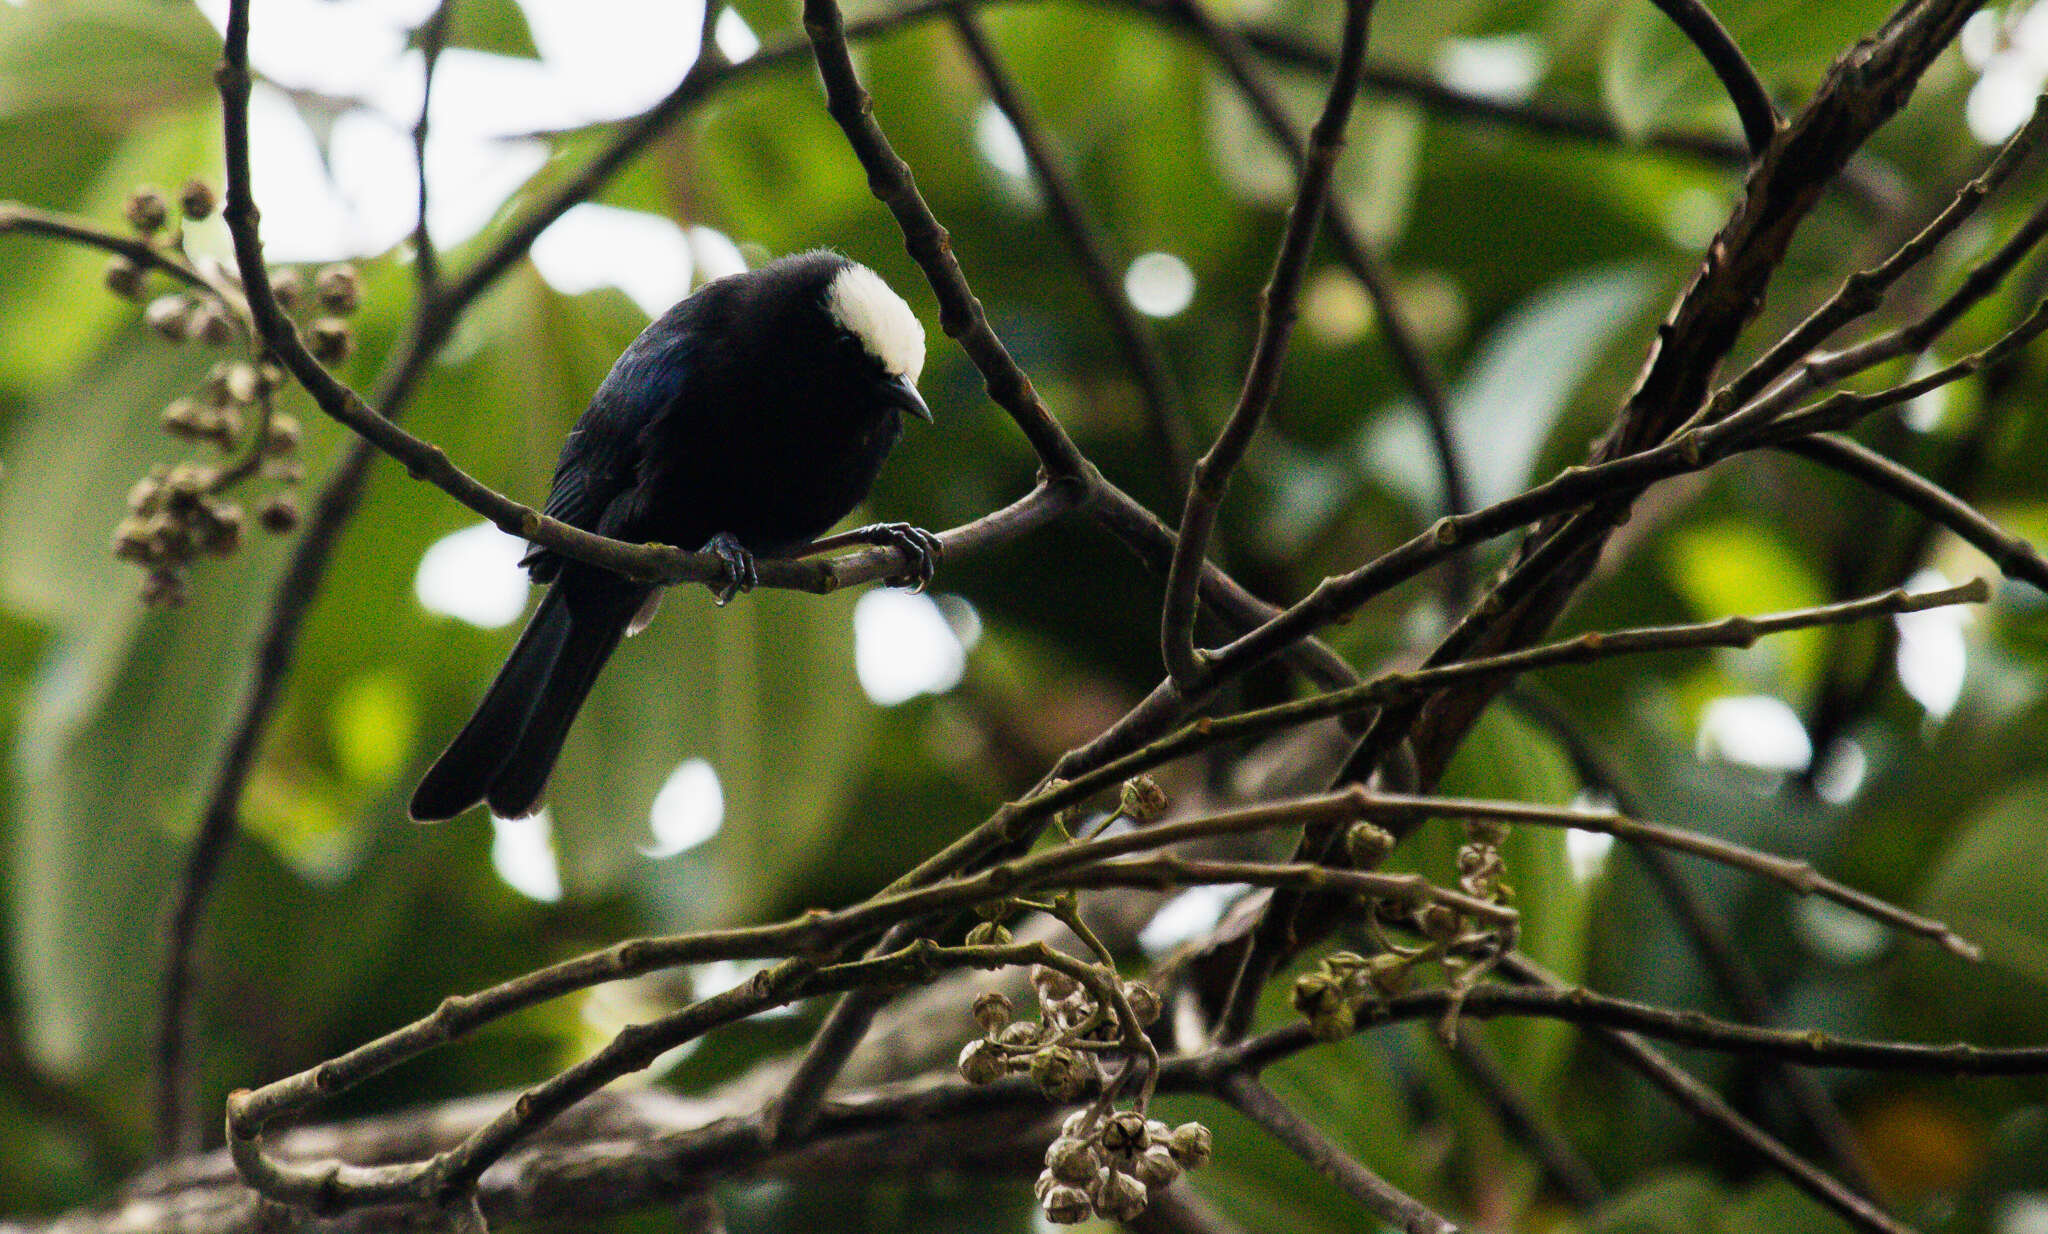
600 60
735 38
687 811
715 253
1839 777
644 255
1755 730
903 646
1587 851
997 140
1504 68
1933 657
473 575
1159 284
2012 60
523 854
1924 414
1837 934
1188 916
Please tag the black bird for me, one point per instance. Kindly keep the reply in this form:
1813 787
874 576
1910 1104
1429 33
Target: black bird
750 418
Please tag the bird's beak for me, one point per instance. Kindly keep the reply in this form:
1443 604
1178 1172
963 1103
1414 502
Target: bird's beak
903 393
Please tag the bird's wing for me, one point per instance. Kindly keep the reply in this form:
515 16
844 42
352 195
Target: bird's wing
600 458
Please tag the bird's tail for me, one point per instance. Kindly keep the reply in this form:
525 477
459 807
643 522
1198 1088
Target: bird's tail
507 750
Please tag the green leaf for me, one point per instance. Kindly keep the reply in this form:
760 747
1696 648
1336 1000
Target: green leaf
118 59
495 26
1987 886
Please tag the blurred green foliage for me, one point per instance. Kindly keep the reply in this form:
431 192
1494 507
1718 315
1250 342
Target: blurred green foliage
1535 268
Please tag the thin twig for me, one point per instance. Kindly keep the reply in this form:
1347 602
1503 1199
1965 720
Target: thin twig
1387 1202
1523 1121
432 38
1417 371
1863 292
1760 119
1726 964
1707 1106
2012 554
1165 413
1277 311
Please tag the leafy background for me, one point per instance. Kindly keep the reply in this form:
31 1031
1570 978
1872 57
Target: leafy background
1533 266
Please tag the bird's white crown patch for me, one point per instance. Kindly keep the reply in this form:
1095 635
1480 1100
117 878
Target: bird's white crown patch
866 306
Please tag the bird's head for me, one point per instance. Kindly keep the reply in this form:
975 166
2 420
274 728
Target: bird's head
876 320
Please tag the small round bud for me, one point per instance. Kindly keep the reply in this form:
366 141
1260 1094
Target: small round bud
1020 1033
1144 1001
1125 1134
287 288
1156 1131
981 1063
282 435
170 316
1155 1167
988 934
1334 1023
220 530
211 326
1072 1160
1191 1144
184 418
197 199
241 382
992 1010
279 514
1142 799
133 542
1075 1126
269 377
339 288
147 211
1052 984
1065 1205
1314 991
330 340
1367 845
1439 923
1118 1197
1060 1073
124 278
165 587
144 497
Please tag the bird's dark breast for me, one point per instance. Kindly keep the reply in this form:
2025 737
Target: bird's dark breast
785 460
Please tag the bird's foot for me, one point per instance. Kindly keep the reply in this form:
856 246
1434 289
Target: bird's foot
919 547
740 574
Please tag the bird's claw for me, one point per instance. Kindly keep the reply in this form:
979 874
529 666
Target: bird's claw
919 547
740 572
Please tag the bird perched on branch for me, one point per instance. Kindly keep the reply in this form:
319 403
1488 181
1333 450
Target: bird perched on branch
750 418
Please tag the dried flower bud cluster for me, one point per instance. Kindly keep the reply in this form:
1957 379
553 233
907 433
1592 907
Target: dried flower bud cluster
1482 869
1107 1166
173 519
178 514
1058 1050
1330 997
